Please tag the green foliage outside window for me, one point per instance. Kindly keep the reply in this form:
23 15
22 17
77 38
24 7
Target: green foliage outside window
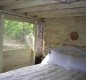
16 29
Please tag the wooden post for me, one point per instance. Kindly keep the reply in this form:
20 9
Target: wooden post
39 45
35 39
1 39
38 34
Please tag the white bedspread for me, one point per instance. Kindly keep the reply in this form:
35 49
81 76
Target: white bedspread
43 72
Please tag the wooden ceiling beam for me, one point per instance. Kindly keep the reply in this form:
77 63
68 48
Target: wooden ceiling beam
60 11
3 2
61 15
31 3
52 7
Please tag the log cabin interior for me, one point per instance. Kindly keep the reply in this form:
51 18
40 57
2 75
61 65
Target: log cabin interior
59 44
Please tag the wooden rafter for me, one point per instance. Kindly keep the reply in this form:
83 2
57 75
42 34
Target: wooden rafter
31 3
10 2
45 7
60 11
61 15
53 7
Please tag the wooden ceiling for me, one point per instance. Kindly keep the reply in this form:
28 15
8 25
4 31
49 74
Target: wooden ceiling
45 8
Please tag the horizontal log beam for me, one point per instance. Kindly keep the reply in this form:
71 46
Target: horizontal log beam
31 3
5 2
58 14
52 7
61 11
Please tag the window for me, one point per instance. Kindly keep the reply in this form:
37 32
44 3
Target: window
17 35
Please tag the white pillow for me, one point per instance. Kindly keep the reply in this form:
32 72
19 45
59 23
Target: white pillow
66 61
47 59
69 50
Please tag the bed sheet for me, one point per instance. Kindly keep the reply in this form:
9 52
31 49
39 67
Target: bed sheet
43 72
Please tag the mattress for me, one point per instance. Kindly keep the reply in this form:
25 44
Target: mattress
43 72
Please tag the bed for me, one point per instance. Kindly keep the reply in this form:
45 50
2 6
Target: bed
47 70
